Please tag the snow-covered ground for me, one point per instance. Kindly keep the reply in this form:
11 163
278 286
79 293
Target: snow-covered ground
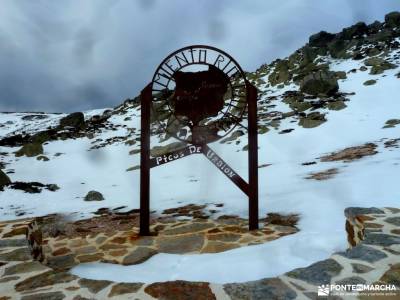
371 181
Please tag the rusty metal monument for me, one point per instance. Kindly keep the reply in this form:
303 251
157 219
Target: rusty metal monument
198 95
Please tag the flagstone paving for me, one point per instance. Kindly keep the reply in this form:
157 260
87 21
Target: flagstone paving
170 235
373 257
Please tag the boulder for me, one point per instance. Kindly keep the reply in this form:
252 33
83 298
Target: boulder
75 120
94 196
392 123
375 27
373 51
321 82
312 120
52 187
4 180
369 82
393 19
43 158
308 69
30 150
44 136
137 167
235 135
99 119
309 55
337 105
161 150
338 47
320 39
341 75
357 30
303 57
379 65
281 73
383 35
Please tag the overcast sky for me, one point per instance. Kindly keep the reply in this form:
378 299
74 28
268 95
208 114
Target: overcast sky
63 56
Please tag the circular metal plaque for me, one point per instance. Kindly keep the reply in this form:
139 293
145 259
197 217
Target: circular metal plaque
199 94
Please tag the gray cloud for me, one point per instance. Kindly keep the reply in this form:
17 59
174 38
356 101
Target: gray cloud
78 55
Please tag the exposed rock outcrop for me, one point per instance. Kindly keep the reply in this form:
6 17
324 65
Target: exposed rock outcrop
321 82
4 180
30 150
393 19
75 120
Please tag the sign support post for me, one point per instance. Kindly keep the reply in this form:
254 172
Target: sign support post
145 103
253 156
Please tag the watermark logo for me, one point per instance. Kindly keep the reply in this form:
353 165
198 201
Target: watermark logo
323 290
354 289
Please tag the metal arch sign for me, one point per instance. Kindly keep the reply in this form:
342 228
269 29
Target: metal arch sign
198 95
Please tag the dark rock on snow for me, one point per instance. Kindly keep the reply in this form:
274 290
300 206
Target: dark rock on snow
94 196
33 187
75 120
4 180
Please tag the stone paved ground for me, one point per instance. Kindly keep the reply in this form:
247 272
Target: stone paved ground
373 233
172 236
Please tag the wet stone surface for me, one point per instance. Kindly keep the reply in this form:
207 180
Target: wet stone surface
381 239
9 278
351 280
25 267
12 243
261 289
138 256
194 227
49 278
354 211
61 262
180 290
364 253
124 288
394 221
359 268
392 276
94 285
47 296
318 273
20 254
180 244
